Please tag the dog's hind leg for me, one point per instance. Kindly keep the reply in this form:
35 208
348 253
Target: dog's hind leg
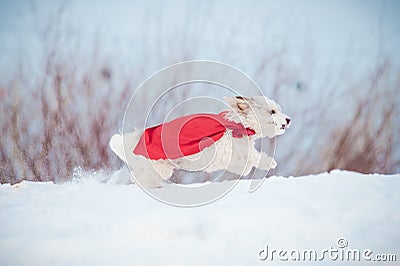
151 174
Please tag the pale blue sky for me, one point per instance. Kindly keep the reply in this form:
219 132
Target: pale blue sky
333 25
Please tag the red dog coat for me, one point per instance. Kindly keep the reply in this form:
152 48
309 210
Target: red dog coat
186 135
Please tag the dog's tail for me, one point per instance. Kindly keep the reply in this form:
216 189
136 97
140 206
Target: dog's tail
123 145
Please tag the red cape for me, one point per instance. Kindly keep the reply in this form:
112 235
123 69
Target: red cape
186 135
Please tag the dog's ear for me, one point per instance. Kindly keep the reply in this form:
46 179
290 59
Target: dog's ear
242 103
239 102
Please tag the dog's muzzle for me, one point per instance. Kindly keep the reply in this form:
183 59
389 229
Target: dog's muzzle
284 126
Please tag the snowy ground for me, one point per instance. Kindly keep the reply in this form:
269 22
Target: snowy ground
95 223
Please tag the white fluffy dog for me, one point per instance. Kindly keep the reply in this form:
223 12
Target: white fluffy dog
259 115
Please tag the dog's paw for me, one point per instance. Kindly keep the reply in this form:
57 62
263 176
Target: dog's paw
274 164
267 162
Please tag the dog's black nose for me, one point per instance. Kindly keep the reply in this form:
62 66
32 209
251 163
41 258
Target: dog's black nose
288 120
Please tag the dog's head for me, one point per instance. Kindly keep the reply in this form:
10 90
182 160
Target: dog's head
258 113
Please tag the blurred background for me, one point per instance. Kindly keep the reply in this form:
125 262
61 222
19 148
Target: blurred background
69 68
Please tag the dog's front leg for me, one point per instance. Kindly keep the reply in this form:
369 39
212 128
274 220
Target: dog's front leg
266 162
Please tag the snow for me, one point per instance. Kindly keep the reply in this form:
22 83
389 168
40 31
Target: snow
97 219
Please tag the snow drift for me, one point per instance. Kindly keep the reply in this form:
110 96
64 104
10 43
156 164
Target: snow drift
95 220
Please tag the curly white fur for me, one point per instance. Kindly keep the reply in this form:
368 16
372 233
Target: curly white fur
236 155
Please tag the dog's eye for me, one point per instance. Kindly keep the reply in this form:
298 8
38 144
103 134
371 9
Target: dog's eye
272 112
